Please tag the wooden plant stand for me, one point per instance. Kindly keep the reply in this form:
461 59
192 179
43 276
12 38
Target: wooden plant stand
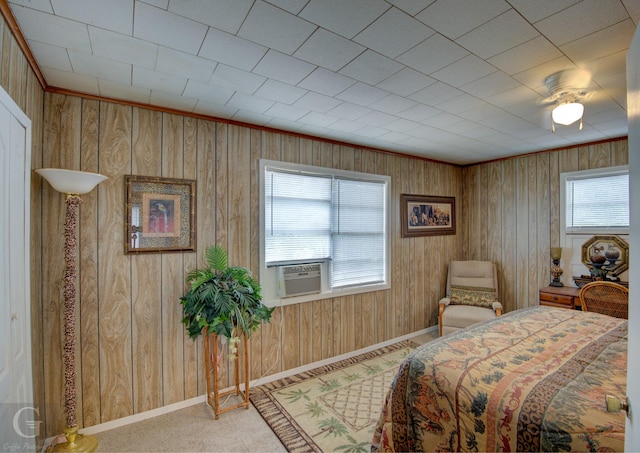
213 390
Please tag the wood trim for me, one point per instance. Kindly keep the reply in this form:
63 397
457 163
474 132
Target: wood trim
5 10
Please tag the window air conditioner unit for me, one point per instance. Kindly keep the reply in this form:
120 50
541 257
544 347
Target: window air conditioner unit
299 279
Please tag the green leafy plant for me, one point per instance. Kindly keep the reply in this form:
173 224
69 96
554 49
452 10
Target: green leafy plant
224 298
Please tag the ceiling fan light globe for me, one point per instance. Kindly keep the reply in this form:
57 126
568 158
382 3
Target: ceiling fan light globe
567 113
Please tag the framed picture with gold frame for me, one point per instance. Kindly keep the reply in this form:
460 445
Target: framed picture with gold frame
424 215
160 213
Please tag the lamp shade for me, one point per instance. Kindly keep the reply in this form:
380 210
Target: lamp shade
556 253
567 113
71 181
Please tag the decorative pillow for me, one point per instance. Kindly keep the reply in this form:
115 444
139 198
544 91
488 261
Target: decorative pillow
472 295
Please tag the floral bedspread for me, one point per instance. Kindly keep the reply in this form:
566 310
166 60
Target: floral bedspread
530 380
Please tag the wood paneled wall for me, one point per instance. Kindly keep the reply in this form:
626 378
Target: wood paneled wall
511 212
20 82
133 352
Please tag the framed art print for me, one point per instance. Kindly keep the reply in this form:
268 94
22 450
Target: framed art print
160 214
424 215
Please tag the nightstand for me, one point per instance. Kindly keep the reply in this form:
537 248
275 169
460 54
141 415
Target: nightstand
560 297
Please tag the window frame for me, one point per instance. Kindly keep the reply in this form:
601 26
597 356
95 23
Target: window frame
585 174
268 274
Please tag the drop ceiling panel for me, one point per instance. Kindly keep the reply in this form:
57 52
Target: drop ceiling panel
452 79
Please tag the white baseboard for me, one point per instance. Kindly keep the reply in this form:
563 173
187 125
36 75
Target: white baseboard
263 380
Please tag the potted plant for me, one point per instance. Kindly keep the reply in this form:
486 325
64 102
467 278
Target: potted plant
225 299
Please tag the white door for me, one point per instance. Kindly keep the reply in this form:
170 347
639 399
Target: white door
16 392
632 437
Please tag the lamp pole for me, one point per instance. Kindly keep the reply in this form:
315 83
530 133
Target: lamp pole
72 184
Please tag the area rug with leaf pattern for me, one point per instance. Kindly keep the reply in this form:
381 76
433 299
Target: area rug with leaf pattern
333 408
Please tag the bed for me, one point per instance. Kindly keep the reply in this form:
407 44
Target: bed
531 380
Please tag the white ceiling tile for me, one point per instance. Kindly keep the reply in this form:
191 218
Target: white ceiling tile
393 33
344 18
633 7
182 103
600 44
243 101
527 55
236 79
151 24
224 15
286 112
534 78
326 82
114 15
490 85
164 4
349 111
346 126
281 92
318 119
283 124
53 30
371 131
362 94
293 6
402 125
166 83
40 5
411 7
514 96
502 33
405 82
115 46
392 104
460 104
377 119
442 120
432 54
419 112
81 83
463 71
185 65
581 19
454 18
317 102
214 109
275 28
228 49
103 68
328 50
251 117
284 68
535 11
116 90
371 67
391 84
53 57
437 93
207 93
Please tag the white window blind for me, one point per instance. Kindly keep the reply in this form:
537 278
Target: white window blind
598 201
327 217
358 233
297 217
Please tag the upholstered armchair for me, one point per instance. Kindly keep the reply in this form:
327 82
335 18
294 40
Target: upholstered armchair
471 295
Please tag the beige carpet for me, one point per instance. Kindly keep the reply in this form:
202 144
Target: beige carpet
332 408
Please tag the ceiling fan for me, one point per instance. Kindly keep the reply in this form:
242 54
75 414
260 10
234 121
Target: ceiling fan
567 89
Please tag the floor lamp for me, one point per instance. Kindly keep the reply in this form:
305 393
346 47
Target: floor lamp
72 184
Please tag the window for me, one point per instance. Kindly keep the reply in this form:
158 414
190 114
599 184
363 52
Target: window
336 217
596 201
